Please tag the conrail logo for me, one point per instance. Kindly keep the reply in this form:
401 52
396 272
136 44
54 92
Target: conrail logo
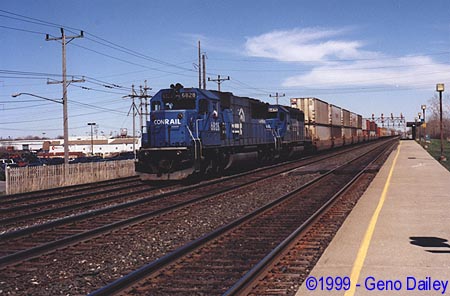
166 121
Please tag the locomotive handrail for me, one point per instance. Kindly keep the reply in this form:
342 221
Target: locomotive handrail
196 126
190 133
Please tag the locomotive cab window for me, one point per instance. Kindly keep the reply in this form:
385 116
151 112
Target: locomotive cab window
156 106
178 103
272 115
203 106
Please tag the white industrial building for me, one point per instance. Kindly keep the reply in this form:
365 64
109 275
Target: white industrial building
98 145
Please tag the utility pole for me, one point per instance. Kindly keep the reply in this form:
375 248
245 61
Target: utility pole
219 80
204 71
143 95
277 95
199 66
144 112
65 83
92 137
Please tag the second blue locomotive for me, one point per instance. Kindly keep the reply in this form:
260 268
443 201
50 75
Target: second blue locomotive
195 131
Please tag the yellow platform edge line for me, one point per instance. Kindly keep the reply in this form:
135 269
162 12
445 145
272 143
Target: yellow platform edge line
362 252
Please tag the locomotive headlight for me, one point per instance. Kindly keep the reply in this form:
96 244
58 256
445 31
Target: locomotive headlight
180 116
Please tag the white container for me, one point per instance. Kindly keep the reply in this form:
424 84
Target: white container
335 115
320 136
316 111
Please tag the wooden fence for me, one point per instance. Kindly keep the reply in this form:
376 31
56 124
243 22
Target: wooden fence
25 179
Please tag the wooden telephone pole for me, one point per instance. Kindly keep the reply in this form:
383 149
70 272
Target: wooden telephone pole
64 41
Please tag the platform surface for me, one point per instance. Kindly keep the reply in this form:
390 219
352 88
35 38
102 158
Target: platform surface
395 241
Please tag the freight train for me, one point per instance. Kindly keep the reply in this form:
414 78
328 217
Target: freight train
194 131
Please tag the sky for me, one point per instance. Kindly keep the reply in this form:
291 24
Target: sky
370 57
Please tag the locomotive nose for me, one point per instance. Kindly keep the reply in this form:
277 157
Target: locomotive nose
165 165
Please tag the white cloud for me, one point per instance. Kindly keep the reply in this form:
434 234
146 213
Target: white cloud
411 72
337 62
303 45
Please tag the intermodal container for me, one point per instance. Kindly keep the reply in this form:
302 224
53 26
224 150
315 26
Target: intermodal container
345 118
360 120
316 111
335 115
353 120
365 125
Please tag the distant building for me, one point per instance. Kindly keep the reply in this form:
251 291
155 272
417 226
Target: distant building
103 146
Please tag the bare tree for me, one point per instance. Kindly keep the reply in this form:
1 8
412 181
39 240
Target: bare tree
432 116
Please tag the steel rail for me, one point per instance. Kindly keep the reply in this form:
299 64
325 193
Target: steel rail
25 196
46 247
258 268
154 266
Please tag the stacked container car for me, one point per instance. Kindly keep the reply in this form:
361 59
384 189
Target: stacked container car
354 127
365 129
317 121
373 131
382 132
359 129
336 125
346 127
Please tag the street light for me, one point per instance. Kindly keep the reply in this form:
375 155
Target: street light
92 137
33 95
65 121
419 125
440 89
423 107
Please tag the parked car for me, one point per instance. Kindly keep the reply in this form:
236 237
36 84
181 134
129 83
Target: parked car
5 162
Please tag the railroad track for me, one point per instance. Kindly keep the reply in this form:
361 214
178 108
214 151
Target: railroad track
284 269
19 198
34 212
214 263
57 234
21 244
22 210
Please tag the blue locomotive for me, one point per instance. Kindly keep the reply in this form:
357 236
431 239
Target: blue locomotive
197 131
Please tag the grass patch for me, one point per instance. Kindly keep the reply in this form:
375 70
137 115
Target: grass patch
434 148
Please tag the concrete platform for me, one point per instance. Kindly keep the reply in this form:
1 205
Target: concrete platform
395 241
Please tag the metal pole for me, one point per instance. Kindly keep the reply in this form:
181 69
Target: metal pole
442 158
218 82
199 67
141 107
134 130
204 71
424 126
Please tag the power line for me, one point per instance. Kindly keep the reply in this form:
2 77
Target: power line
129 62
103 41
22 30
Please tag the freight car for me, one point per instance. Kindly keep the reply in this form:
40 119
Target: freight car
195 131
329 126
